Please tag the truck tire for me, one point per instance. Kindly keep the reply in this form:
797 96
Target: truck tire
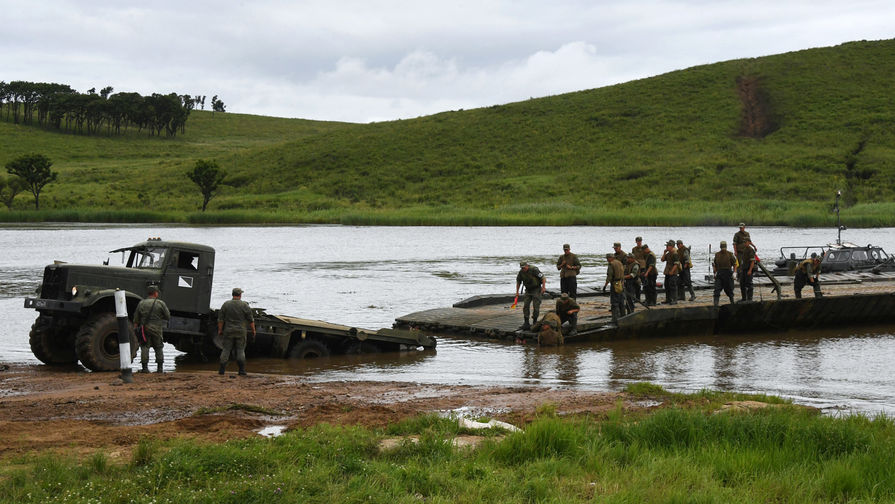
309 349
50 345
97 343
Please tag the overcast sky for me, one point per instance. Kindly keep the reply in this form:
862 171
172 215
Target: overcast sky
365 61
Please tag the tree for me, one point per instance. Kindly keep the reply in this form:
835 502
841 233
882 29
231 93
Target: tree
217 105
208 176
34 170
9 188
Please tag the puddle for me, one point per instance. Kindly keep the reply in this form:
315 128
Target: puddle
272 430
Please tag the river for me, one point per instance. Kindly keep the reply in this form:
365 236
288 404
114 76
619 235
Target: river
367 276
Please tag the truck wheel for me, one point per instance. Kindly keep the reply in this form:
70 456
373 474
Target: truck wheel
97 343
309 349
49 345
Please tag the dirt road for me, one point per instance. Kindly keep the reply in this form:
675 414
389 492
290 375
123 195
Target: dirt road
43 408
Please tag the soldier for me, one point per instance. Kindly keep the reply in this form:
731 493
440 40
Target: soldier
619 253
686 282
234 319
568 267
739 242
535 285
672 268
722 266
808 272
747 266
568 309
649 274
637 252
150 317
615 276
632 283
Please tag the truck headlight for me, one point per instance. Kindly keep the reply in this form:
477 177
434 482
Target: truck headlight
74 291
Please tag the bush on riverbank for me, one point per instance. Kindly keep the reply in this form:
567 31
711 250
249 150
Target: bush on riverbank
681 453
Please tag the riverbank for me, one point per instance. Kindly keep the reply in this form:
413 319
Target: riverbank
194 437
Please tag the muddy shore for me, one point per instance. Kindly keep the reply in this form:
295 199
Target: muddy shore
42 408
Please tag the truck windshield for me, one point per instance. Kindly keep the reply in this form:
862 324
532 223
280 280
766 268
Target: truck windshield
147 258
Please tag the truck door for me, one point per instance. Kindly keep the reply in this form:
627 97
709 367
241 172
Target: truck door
186 285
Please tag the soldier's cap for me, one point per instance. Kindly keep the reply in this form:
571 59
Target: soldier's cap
639 238
630 257
680 242
564 295
670 243
610 256
644 247
523 264
723 244
814 255
616 244
566 246
151 289
237 291
742 224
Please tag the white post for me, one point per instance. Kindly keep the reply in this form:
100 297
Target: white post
124 341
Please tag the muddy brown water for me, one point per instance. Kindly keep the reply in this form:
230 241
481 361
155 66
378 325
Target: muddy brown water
367 276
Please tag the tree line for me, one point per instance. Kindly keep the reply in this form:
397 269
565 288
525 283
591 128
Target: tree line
58 106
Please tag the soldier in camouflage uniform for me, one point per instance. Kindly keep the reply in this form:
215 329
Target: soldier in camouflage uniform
619 253
686 282
535 285
672 269
568 309
615 274
722 266
807 272
747 267
649 274
153 315
632 283
638 254
569 267
234 319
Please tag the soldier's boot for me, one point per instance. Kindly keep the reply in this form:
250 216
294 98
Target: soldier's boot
614 310
144 367
222 369
716 300
573 326
242 368
749 292
526 326
159 367
534 319
731 299
692 294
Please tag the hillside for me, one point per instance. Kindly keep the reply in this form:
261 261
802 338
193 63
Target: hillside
669 149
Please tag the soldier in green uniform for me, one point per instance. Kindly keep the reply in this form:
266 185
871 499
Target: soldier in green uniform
649 274
672 269
619 253
568 309
569 267
638 254
739 242
686 282
722 266
150 317
632 282
535 285
747 267
808 272
615 277
234 319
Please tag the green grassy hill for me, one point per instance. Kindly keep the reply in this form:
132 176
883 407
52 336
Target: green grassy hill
658 151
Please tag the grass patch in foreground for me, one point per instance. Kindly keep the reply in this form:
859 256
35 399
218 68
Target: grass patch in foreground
781 454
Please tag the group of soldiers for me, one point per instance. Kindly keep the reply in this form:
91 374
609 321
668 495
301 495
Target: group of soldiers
632 275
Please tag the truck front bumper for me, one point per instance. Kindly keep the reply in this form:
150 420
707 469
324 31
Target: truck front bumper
53 305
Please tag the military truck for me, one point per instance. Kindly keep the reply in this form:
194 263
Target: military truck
76 312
